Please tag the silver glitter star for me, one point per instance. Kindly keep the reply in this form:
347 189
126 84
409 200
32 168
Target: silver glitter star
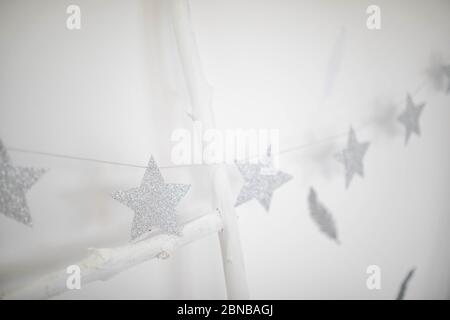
14 182
153 202
410 118
260 182
352 157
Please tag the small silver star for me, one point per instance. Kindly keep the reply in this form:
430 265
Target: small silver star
260 182
410 118
352 157
153 202
14 182
446 71
437 71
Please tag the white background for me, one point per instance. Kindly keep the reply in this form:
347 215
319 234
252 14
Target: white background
114 91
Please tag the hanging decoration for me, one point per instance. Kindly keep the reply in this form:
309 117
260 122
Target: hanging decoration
321 216
438 73
447 76
153 202
352 157
261 180
14 183
410 118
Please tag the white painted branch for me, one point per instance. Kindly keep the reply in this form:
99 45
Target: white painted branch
104 263
201 95
200 92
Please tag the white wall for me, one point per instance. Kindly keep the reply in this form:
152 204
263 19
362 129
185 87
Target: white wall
114 91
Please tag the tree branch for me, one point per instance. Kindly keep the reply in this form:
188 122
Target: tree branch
104 263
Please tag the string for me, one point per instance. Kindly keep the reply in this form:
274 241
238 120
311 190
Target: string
131 165
113 163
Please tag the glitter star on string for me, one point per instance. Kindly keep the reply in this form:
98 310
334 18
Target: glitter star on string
153 202
14 182
352 157
410 118
261 180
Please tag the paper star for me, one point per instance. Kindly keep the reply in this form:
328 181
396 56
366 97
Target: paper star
352 157
410 118
437 71
261 180
153 202
14 182
446 71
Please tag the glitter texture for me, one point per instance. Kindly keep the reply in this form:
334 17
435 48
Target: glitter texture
260 182
153 202
14 182
410 118
352 157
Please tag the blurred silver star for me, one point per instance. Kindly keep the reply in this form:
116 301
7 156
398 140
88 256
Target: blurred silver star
439 73
446 70
14 182
153 202
410 118
352 157
261 180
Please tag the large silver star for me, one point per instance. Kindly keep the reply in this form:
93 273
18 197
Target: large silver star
14 182
352 157
410 118
153 202
261 180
